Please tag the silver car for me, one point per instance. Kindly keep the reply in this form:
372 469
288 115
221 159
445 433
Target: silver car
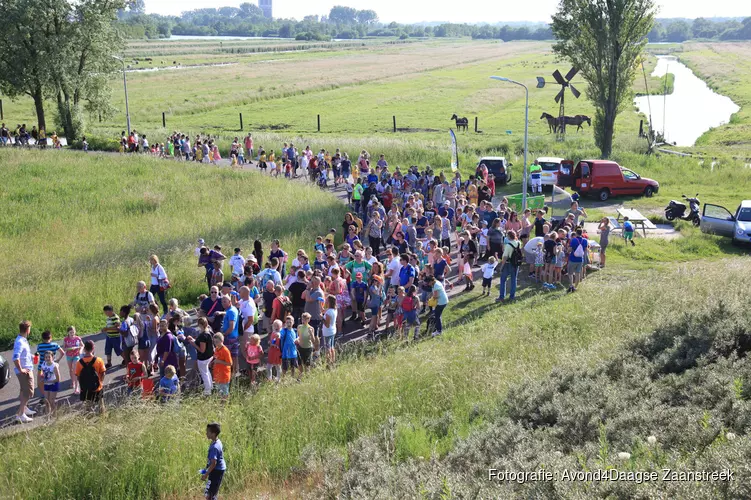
718 220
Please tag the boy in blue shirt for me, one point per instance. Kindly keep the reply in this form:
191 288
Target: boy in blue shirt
628 231
216 466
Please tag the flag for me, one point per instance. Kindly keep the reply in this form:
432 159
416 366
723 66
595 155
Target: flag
454 153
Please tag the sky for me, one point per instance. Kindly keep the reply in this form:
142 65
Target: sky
470 11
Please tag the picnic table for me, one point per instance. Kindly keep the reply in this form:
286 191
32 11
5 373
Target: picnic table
636 218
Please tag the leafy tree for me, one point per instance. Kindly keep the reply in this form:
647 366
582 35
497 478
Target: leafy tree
367 17
250 11
343 15
678 31
703 28
604 39
657 33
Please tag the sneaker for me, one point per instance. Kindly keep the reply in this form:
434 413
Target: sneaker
23 419
77 391
435 334
28 412
107 366
499 300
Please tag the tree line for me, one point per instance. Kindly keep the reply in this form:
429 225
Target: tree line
680 30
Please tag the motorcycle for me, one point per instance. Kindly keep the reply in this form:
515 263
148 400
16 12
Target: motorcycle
677 210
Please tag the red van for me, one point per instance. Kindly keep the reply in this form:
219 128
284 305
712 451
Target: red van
606 178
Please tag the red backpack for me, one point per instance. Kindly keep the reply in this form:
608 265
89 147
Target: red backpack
408 304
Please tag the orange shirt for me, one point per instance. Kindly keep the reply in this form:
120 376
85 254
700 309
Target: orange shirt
222 373
98 367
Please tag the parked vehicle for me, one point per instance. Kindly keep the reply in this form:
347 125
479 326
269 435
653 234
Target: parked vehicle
4 372
605 178
677 210
550 170
499 167
718 220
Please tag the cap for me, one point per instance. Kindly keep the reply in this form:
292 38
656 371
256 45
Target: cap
227 284
378 278
252 258
447 203
358 275
200 241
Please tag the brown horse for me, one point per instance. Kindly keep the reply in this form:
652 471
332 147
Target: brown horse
577 120
552 122
460 122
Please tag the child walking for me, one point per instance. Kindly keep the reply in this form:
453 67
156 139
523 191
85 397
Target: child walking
222 366
73 346
628 231
169 385
215 465
253 355
136 372
488 269
51 378
274 360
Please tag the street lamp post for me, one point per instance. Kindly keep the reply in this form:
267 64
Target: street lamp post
125 87
526 135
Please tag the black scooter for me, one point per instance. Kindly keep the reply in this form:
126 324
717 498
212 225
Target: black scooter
677 210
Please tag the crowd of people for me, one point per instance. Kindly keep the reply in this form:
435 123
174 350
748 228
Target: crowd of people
22 136
410 237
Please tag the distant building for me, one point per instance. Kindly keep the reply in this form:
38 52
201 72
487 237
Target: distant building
265 6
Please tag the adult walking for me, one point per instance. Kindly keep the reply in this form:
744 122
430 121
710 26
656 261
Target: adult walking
24 369
442 300
495 239
204 347
159 280
510 263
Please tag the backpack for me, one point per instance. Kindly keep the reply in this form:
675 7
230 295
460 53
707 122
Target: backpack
286 306
88 378
516 255
130 335
408 304
579 251
177 346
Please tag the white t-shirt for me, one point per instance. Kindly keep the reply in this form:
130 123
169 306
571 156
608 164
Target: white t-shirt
198 251
394 266
329 331
484 237
157 273
488 269
248 309
238 264
372 260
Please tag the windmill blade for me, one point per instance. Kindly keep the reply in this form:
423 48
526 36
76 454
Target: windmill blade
560 95
559 78
574 91
571 74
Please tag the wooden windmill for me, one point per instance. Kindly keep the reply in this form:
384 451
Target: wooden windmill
560 98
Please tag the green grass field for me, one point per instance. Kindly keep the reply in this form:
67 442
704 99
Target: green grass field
266 436
78 230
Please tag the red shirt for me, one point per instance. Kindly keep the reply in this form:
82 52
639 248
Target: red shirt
275 351
135 371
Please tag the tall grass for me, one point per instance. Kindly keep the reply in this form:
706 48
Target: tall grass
149 451
77 231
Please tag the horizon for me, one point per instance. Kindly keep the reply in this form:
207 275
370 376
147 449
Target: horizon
472 12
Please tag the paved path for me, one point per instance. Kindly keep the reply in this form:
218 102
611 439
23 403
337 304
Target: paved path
114 379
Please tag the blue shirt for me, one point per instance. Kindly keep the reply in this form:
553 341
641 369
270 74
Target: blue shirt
405 273
45 347
168 385
216 452
628 227
439 269
359 288
230 315
287 340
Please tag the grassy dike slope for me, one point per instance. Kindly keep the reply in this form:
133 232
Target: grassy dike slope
154 451
76 231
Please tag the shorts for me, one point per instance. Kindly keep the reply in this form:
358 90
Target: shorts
603 248
360 305
72 359
213 483
26 384
539 265
629 235
222 389
94 396
549 259
112 343
529 258
559 262
398 320
289 363
575 267
327 342
411 318
305 355
233 344
52 387
253 367
374 310
143 343
487 282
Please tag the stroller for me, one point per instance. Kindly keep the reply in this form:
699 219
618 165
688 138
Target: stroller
322 181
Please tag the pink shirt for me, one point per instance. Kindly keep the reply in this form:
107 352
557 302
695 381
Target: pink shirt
255 352
72 346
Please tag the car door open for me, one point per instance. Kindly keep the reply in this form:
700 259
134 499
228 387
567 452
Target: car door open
717 220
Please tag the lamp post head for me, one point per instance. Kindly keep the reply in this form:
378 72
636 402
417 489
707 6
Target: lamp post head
500 78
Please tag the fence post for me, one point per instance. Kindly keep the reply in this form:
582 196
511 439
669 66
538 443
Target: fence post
164 120
394 117
475 124
2 117
319 122
241 121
